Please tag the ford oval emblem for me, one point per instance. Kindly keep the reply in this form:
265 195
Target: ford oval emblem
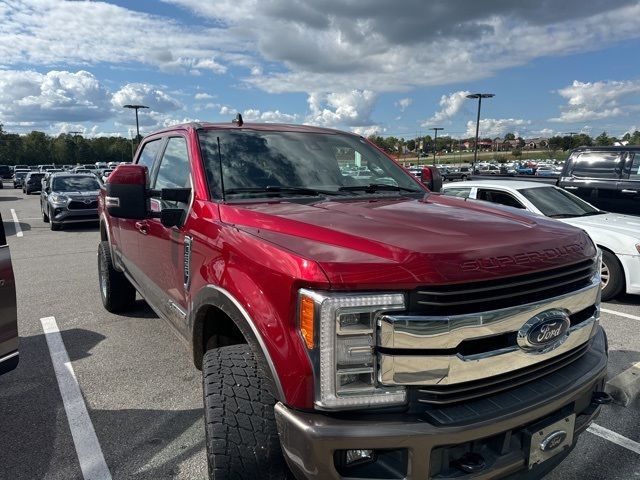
553 440
544 332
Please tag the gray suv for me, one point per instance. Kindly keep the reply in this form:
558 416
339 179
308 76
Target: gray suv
69 198
8 312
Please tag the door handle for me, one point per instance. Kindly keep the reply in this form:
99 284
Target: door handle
142 227
634 192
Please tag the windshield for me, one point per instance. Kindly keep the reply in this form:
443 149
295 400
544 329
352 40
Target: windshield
557 203
74 184
257 163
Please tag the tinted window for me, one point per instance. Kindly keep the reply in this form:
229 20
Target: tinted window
74 184
174 171
496 196
558 203
597 164
149 152
635 167
317 161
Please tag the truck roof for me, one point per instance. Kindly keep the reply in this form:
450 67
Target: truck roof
267 127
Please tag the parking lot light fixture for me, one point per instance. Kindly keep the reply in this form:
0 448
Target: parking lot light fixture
136 108
435 142
479 96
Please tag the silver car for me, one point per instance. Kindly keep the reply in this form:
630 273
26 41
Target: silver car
69 198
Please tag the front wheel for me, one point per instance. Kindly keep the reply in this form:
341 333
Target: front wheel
612 276
242 437
45 217
116 290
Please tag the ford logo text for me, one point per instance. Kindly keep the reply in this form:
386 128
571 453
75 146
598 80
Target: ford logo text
544 332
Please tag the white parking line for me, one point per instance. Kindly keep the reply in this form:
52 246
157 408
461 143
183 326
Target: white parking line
614 437
16 222
620 314
88 449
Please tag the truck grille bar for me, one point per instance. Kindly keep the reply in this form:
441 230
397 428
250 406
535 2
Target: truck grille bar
518 290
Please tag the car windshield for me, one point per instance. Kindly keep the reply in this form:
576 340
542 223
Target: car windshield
267 163
557 203
74 184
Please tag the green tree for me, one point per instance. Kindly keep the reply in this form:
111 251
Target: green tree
509 136
37 148
516 152
604 140
411 145
635 138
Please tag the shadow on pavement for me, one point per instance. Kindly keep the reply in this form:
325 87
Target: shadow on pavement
10 228
36 442
80 227
7 199
620 360
625 299
141 309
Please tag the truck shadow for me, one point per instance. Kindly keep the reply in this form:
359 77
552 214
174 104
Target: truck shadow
8 199
625 299
10 228
140 443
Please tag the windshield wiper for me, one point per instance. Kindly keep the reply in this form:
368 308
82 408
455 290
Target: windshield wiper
588 214
277 189
374 187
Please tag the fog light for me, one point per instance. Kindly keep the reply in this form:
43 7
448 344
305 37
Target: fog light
354 457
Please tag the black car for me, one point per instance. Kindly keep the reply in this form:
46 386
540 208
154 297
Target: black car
8 310
5 172
32 182
18 178
69 198
608 177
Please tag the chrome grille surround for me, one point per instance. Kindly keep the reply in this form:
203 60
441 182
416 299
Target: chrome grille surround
416 350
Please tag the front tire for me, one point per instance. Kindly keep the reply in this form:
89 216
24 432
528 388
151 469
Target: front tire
116 291
612 276
242 437
45 217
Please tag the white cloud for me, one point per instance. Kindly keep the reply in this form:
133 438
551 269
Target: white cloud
369 130
28 96
598 100
450 105
403 103
145 94
497 127
351 108
224 110
203 96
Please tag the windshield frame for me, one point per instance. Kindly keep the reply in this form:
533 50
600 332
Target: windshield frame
221 177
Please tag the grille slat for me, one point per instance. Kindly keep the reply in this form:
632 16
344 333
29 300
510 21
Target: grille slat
78 205
484 296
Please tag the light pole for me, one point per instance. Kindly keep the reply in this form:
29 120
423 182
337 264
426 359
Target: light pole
75 142
479 96
435 142
136 108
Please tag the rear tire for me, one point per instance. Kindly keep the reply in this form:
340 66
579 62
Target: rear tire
116 291
612 276
242 437
55 226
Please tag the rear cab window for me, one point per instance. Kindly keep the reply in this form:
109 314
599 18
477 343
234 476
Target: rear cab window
634 173
500 197
605 165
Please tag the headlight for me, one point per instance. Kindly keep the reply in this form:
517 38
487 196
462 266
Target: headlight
339 331
59 198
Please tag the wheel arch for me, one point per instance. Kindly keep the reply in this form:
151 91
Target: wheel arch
620 264
215 304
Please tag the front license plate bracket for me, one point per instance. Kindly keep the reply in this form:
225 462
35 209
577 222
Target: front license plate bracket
545 440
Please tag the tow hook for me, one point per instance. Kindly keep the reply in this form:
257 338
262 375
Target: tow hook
470 462
601 398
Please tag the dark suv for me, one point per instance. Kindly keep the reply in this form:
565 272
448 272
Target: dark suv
32 182
8 311
608 177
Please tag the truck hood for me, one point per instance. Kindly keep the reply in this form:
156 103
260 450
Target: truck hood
402 242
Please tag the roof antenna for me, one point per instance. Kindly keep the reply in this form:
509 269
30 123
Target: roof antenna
238 120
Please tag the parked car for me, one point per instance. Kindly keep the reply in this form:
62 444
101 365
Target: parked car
18 178
105 174
451 173
46 168
608 177
547 171
70 198
357 330
9 340
5 172
617 235
82 170
32 182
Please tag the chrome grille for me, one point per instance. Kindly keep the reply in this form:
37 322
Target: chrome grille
482 296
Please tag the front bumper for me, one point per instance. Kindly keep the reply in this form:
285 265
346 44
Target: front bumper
631 267
61 214
416 446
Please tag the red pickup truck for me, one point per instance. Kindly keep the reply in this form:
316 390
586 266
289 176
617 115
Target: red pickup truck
351 328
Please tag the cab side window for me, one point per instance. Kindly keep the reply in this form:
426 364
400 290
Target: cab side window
496 196
174 171
149 153
598 165
634 174
458 192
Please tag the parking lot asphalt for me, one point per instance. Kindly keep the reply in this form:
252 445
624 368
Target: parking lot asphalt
141 390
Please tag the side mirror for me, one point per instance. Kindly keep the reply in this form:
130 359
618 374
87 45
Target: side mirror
127 192
432 178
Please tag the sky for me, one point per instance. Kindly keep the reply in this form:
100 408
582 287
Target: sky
369 66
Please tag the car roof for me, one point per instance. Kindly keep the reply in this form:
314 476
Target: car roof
512 184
